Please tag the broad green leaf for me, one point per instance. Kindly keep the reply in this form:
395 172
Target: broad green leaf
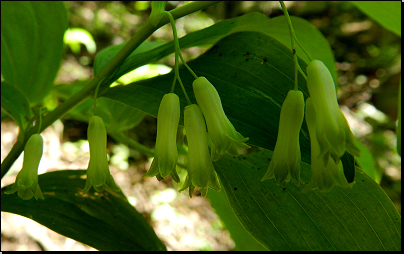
310 38
105 221
15 104
283 218
243 240
105 55
367 163
386 13
32 45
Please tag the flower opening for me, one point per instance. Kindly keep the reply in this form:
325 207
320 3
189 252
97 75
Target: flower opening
98 174
324 177
201 173
26 182
285 162
333 133
165 153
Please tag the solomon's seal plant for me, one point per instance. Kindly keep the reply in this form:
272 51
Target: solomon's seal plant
324 177
26 182
222 133
98 174
285 163
201 173
165 153
332 131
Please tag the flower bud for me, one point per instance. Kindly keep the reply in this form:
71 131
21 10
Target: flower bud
323 177
201 173
165 153
98 174
332 130
221 131
285 162
26 182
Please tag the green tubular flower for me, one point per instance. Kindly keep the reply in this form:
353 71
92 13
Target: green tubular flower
332 130
165 153
98 174
324 177
26 182
285 163
221 131
201 173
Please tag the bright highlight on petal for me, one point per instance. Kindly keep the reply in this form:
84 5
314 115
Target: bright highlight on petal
333 133
201 173
26 182
98 174
221 131
324 177
165 153
285 163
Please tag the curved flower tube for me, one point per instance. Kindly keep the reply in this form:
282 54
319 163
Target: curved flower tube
26 182
165 153
324 177
332 130
201 173
98 174
285 163
221 131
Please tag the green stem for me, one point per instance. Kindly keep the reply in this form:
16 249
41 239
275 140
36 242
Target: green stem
95 97
144 32
293 38
122 138
177 44
40 119
178 53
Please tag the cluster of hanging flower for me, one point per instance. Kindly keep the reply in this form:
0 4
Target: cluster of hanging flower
98 174
330 135
224 137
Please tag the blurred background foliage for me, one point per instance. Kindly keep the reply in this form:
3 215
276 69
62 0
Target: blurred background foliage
368 61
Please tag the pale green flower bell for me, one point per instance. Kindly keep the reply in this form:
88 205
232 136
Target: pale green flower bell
98 174
285 162
26 182
165 153
332 130
201 173
324 177
222 133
